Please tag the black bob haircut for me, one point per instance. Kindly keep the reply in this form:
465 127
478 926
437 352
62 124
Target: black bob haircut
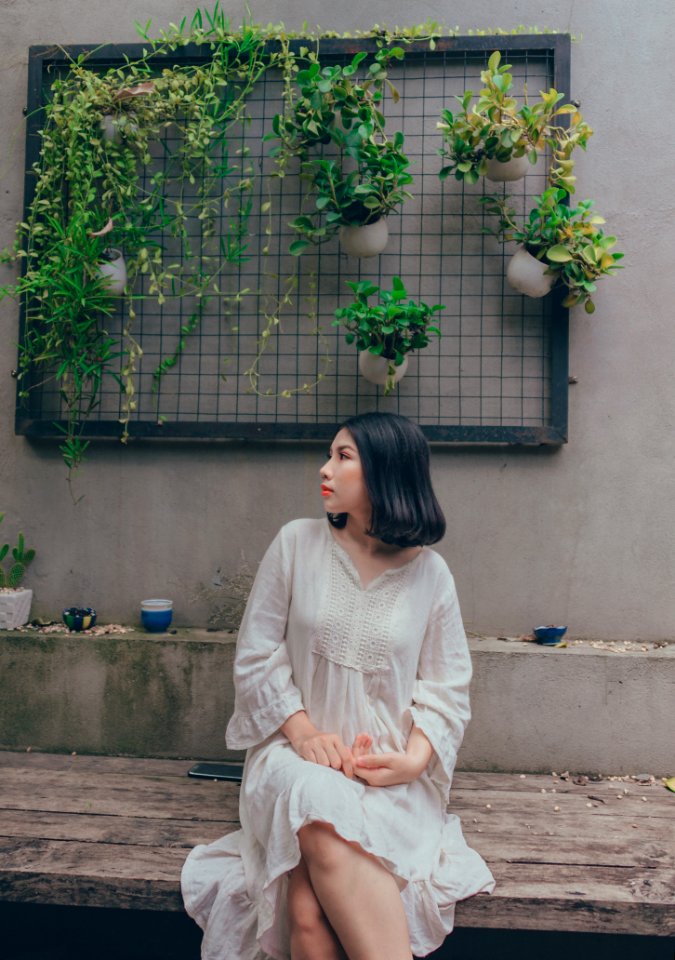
394 454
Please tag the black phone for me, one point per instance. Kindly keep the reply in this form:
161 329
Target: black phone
217 771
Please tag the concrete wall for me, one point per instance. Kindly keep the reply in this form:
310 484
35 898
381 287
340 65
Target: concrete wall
582 535
534 709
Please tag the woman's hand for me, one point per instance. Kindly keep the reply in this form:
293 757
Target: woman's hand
388 769
326 749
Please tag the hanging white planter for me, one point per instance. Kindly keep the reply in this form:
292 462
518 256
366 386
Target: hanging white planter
365 241
381 371
113 126
15 608
505 171
528 275
114 271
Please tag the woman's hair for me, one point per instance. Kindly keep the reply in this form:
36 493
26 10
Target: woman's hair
394 454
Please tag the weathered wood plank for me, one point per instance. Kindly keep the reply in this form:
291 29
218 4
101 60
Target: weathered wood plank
104 793
114 832
96 828
527 898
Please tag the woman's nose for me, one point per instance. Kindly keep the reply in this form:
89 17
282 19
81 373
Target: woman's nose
325 470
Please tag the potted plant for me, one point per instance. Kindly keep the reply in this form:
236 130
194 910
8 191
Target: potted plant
356 174
385 332
15 601
113 271
498 139
557 244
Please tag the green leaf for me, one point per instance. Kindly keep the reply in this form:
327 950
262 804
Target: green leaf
558 254
297 247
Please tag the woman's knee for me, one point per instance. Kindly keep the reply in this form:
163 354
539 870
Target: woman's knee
321 846
306 918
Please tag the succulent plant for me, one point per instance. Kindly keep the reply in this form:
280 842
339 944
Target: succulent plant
21 559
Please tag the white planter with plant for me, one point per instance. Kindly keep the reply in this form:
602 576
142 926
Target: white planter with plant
529 276
365 174
379 370
506 171
386 331
15 601
484 138
367 240
559 243
113 269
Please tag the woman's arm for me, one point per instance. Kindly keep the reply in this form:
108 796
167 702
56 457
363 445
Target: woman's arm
387 769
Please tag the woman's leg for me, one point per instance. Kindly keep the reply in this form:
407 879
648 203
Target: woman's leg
312 937
357 894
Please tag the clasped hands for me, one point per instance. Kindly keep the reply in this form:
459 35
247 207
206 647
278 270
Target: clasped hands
376 769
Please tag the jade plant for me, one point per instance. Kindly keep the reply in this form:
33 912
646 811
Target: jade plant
20 560
356 174
496 128
390 328
568 241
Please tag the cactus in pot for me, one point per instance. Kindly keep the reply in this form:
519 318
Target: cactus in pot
15 601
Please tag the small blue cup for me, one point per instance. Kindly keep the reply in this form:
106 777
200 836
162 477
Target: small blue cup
549 635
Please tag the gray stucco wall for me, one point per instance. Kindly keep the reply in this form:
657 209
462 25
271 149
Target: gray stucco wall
581 535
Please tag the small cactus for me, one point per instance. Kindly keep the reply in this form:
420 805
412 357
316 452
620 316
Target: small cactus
21 557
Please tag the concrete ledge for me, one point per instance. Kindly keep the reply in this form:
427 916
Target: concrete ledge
535 709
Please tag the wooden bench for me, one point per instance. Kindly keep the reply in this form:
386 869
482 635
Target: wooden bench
100 831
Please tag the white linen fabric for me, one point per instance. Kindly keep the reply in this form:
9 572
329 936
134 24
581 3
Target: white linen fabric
358 660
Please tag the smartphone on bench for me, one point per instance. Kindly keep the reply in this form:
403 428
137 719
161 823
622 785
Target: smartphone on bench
217 771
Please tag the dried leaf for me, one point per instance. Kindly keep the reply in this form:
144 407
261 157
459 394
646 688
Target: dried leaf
669 783
102 232
142 88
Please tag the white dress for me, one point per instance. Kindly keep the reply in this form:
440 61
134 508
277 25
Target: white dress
373 660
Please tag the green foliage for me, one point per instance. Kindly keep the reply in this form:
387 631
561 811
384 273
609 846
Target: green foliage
495 128
391 328
98 186
569 240
355 173
21 560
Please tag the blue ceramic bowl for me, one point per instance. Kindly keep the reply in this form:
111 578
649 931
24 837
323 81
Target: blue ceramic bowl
79 618
549 635
156 621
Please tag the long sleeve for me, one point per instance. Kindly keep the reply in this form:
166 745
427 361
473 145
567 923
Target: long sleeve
441 692
265 694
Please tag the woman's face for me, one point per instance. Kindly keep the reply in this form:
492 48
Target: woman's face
343 486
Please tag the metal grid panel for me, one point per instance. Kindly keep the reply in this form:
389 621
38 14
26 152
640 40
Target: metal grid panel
498 373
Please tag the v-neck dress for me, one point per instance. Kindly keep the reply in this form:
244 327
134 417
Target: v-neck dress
359 660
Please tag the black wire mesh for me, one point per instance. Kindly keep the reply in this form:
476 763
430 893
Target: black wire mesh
490 377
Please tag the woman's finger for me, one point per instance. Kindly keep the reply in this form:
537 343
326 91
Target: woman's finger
374 760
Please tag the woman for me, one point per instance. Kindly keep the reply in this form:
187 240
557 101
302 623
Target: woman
351 680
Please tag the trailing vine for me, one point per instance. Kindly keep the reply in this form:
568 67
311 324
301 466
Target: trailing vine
99 184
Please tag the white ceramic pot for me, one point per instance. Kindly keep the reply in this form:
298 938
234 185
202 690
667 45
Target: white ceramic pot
527 275
114 272
15 608
381 371
109 128
365 241
504 171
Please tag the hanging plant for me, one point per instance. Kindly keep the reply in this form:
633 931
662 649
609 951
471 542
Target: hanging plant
557 244
99 188
496 138
333 124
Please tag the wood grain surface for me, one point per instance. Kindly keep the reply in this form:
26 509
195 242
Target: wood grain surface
112 831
